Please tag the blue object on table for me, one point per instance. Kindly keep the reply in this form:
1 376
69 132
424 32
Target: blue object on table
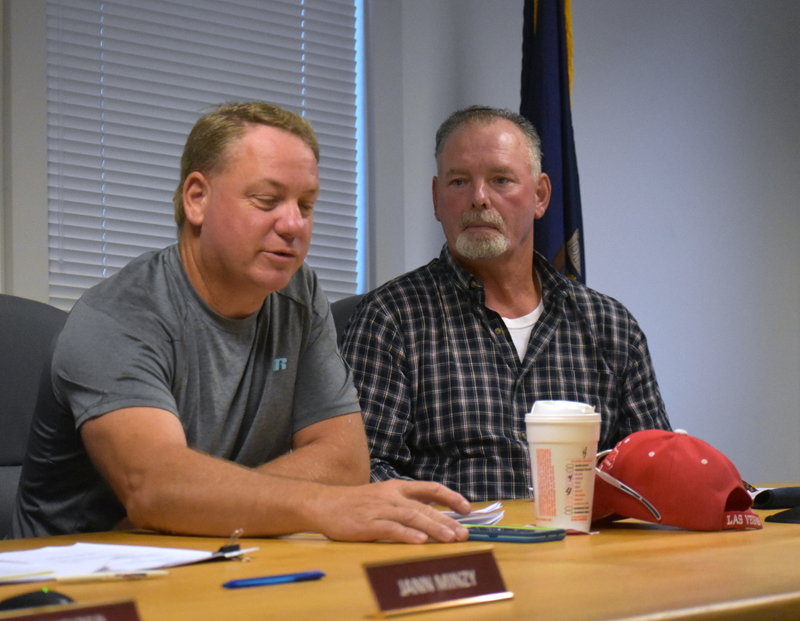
302 576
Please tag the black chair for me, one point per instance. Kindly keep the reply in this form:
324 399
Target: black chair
341 311
27 329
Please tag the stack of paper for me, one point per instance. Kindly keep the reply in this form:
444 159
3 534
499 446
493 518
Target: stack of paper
55 562
486 516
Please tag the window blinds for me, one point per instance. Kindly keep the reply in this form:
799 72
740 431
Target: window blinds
128 79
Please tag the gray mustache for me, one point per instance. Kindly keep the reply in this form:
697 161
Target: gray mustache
476 216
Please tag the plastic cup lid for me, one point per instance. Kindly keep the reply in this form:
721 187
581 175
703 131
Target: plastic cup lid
556 410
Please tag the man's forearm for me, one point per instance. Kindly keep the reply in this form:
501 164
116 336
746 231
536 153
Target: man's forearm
206 496
165 485
333 451
191 493
315 464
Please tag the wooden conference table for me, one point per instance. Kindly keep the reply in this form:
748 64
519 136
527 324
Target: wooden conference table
631 570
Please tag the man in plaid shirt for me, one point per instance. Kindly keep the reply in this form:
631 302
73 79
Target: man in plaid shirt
450 357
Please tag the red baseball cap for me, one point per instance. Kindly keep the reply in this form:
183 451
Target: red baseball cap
671 478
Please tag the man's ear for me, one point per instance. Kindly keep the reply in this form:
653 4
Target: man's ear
195 198
435 199
543 191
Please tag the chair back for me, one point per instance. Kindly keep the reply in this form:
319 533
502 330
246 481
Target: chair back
27 328
341 311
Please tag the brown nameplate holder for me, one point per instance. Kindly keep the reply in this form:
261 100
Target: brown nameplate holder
434 582
109 611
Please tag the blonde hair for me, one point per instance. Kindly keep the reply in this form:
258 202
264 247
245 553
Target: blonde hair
206 144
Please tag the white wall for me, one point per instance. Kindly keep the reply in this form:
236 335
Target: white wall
23 206
431 57
688 138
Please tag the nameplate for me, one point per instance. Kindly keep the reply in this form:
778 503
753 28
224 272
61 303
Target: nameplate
110 611
430 583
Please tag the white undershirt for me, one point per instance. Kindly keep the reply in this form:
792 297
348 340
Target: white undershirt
521 328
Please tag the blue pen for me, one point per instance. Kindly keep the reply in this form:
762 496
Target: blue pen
302 576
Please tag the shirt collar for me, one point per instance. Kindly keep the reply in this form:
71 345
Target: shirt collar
554 284
462 277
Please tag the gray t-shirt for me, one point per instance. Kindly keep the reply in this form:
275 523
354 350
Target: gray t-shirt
145 338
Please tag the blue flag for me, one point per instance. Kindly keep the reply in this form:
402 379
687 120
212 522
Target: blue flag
545 102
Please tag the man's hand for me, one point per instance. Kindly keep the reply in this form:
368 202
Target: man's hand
396 510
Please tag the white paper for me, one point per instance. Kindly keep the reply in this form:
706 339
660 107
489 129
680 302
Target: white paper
487 516
86 558
757 490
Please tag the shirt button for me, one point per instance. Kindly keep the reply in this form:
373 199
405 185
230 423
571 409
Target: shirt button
523 435
498 331
473 284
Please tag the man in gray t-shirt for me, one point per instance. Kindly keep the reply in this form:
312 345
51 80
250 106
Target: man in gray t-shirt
200 389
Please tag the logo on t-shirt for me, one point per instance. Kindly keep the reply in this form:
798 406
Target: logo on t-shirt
280 364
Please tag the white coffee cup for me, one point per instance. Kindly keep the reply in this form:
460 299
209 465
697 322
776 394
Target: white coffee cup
563 437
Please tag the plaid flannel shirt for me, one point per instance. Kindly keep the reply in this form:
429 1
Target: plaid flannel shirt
444 393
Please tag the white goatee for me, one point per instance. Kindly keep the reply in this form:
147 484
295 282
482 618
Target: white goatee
484 244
